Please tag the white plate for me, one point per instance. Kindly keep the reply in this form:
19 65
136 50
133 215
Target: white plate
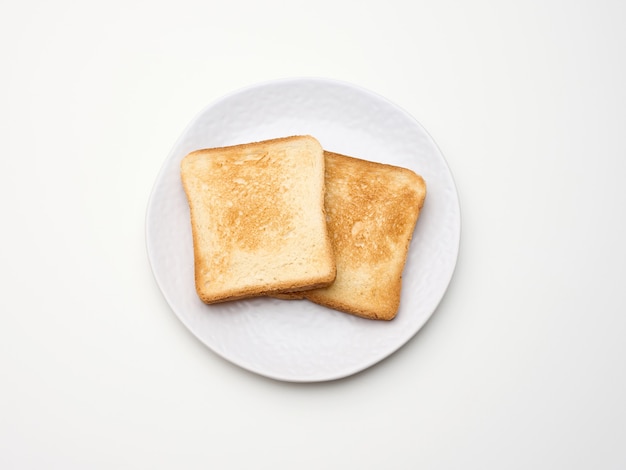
297 340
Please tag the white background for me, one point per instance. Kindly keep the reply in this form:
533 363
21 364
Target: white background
522 366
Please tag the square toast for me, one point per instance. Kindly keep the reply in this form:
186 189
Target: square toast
257 218
372 209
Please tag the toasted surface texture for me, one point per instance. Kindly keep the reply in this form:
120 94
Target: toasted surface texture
372 210
257 218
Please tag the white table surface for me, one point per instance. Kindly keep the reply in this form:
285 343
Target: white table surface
522 366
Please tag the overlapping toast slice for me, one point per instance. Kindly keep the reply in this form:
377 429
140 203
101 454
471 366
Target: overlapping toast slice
371 212
257 218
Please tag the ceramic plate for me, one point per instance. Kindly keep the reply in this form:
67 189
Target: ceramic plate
297 340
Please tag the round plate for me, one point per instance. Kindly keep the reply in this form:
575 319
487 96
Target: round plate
296 340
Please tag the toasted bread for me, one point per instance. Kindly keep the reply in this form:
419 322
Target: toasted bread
372 210
257 218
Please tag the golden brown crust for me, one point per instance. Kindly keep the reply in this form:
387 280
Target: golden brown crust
257 218
372 209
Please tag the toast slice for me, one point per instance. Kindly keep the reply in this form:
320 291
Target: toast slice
257 218
372 209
